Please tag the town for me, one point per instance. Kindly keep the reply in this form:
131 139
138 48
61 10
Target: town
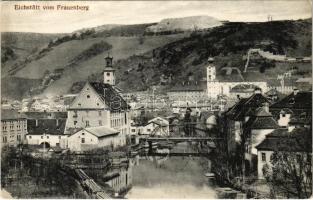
253 137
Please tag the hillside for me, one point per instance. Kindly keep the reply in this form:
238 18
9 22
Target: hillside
228 44
142 59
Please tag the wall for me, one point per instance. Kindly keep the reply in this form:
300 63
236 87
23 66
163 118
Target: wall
53 140
262 163
257 136
75 140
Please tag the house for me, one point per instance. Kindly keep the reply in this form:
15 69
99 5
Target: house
13 126
95 137
47 132
297 105
100 104
238 115
298 141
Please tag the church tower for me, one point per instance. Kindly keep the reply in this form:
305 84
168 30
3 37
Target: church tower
109 72
211 70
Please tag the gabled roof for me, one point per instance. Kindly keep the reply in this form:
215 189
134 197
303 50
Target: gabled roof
261 112
245 105
102 131
47 126
298 140
110 96
7 114
46 115
262 123
300 100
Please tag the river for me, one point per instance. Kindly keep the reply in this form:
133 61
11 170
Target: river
174 177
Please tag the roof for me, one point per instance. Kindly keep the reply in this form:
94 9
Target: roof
7 114
48 126
274 92
102 131
298 140
189 86
46 115
245 105
244 88
304 80
300 100
261 112
262 123
110 96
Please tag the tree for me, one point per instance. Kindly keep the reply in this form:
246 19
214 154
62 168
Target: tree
290 174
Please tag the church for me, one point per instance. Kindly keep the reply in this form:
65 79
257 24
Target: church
99 104
223 85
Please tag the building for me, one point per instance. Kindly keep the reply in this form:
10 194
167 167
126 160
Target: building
46 132
95 137
282 84
238 115
298 141
189 91
152 128
100 104
259 124
222 83
13 126
242 91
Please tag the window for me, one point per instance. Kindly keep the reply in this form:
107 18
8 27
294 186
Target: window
83 140
18 137
41 137
57 144
75 122
100 113
263 157
108 74
83 133
148 130
100 123
47 137
30 137
133 130
59 137
87 123
4 139
79 104
108 80
88 96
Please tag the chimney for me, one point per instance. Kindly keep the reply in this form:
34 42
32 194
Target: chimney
257 91
295 91
266 107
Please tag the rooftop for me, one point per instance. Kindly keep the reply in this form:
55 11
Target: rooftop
102 131
7 114
47 126
110 96
298 140
295 100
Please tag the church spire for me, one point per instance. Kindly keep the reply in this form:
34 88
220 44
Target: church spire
109 71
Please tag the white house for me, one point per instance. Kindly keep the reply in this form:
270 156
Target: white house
95 137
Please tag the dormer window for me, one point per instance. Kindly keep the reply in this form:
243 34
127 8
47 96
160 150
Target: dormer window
79 104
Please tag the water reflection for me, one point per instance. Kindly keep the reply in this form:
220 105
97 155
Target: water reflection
174 177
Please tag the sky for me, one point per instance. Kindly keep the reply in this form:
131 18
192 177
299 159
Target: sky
135 12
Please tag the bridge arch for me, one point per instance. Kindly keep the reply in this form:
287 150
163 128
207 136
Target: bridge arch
45 145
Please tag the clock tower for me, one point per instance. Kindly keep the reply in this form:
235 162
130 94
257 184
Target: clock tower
109 71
